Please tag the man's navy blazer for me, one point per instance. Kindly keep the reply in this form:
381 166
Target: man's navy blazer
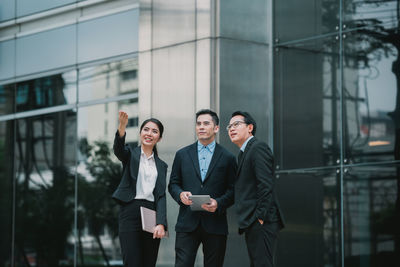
218 183
255 196
126 190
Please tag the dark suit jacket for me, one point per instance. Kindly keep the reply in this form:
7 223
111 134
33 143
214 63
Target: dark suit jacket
126 190
218 183
254 189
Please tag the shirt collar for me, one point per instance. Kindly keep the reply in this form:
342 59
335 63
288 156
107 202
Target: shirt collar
210 146
245 143
144 155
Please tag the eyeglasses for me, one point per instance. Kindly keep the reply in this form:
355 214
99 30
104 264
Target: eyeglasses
234 125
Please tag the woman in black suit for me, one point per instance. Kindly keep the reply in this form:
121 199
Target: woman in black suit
142 184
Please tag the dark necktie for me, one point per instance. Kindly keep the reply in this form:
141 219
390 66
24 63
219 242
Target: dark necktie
240 156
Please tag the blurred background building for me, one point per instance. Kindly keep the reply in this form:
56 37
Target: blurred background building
321 78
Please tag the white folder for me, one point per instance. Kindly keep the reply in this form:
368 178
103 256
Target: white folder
149 220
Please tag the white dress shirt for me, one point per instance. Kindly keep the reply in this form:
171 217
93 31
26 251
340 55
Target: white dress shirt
147 177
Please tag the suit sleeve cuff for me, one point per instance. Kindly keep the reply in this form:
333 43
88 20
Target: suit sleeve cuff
119 137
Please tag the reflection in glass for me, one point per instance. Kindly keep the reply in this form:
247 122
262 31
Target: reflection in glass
300 19
45 158
371 73
7 99
372 216
361 13
99 173
307 104
6 190
111 79
312 233
46 92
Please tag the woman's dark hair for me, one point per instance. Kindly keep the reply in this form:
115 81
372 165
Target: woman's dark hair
160 128
248 119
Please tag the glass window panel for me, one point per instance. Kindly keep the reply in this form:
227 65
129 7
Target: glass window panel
58 89
174 21
307 104
107 80
312 233
7 10
26 7
240 20
361 13
99 173
243 80
45 154
371 97
301 19
7 56
108 36
7 99
46 50
371 213
6 189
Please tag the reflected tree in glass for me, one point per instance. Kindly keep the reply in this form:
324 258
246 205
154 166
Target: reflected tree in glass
44 190
97 209
41 93
376 38
6 190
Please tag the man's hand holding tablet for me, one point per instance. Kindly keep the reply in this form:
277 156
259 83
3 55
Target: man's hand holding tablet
200 202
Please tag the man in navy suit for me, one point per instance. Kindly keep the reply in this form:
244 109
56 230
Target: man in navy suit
202 168
258 211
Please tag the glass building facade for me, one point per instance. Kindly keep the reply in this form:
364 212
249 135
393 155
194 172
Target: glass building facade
336 131
321 78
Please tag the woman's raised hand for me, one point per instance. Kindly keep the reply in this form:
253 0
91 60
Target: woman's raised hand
123 121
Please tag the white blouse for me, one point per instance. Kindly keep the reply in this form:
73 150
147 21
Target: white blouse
147 177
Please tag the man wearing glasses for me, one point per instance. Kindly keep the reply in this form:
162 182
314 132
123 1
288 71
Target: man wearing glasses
259 215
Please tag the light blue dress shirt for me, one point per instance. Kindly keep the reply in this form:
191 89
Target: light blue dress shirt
243 147
205 154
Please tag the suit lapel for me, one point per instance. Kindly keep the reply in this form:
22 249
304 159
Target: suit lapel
240 164
160 174
195 159
135 159
216 155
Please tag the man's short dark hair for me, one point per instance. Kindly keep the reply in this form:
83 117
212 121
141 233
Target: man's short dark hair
213 115
248 119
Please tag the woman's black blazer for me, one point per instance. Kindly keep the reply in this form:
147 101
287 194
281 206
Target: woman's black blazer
126 190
